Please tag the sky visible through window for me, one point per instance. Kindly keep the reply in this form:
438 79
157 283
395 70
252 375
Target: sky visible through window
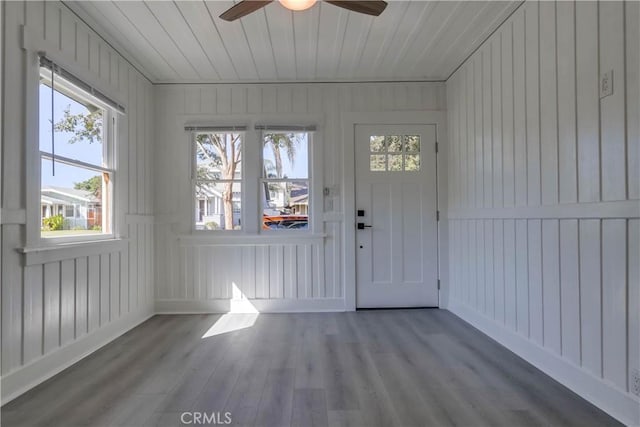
300 166
65 176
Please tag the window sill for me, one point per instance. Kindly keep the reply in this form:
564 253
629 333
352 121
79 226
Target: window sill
63 251
214 239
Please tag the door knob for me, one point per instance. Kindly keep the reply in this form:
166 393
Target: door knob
362 226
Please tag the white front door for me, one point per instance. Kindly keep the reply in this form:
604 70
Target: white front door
396 205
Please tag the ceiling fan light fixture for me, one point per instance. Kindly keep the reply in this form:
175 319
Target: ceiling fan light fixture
297 5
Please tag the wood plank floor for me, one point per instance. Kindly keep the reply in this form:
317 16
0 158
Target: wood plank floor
368 368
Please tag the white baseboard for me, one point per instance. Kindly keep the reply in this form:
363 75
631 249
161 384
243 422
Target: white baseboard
617 403
30 375
249 306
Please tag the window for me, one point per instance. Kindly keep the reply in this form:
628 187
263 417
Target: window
394 153
218 180
76 191
285 180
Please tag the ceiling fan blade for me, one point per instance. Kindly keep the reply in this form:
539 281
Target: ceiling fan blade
374 7
243 8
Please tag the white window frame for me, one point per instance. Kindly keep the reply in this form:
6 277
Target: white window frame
35 156
309 179
252 152
241 180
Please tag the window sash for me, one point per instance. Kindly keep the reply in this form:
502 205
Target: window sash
76 163
76 89
285 180
215 181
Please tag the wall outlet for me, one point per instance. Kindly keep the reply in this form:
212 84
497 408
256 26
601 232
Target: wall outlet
606 84
635 381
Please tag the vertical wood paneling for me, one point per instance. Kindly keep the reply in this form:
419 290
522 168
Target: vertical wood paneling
632 85
134 281
51 318
290 271
276 276
614 300
11 301
612 120
480 254
105 289
33 309
191 270
522 277
94 292
557 274
141 279
633 337
510 293
489 269
308 279
532 101
67 33
133 148
238 100
566 57
473 264
508 153
587 101
570 291
82 296
590 295
319 277
94 55
52 23
471 134
534 267
262 272
499 270
141 159
466 265
551 285
487 127
519 110
548 104
478 159
462 139
249 273
114 284
67 301
125 303
496 116
204 276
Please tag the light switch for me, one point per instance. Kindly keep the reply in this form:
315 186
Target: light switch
606 84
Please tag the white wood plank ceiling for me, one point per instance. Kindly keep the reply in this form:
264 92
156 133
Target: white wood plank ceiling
185 41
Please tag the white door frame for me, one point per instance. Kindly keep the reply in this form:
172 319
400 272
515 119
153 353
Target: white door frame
349 122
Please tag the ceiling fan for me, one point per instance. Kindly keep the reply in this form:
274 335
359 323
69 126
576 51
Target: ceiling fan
245 7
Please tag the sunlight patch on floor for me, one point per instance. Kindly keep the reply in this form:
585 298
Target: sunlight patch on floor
231 322
242 315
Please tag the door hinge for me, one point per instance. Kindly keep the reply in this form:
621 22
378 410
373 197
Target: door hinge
437 215
437 147
438 284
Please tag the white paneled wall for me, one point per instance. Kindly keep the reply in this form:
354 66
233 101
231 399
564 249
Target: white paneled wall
275 274
60 304
543 194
